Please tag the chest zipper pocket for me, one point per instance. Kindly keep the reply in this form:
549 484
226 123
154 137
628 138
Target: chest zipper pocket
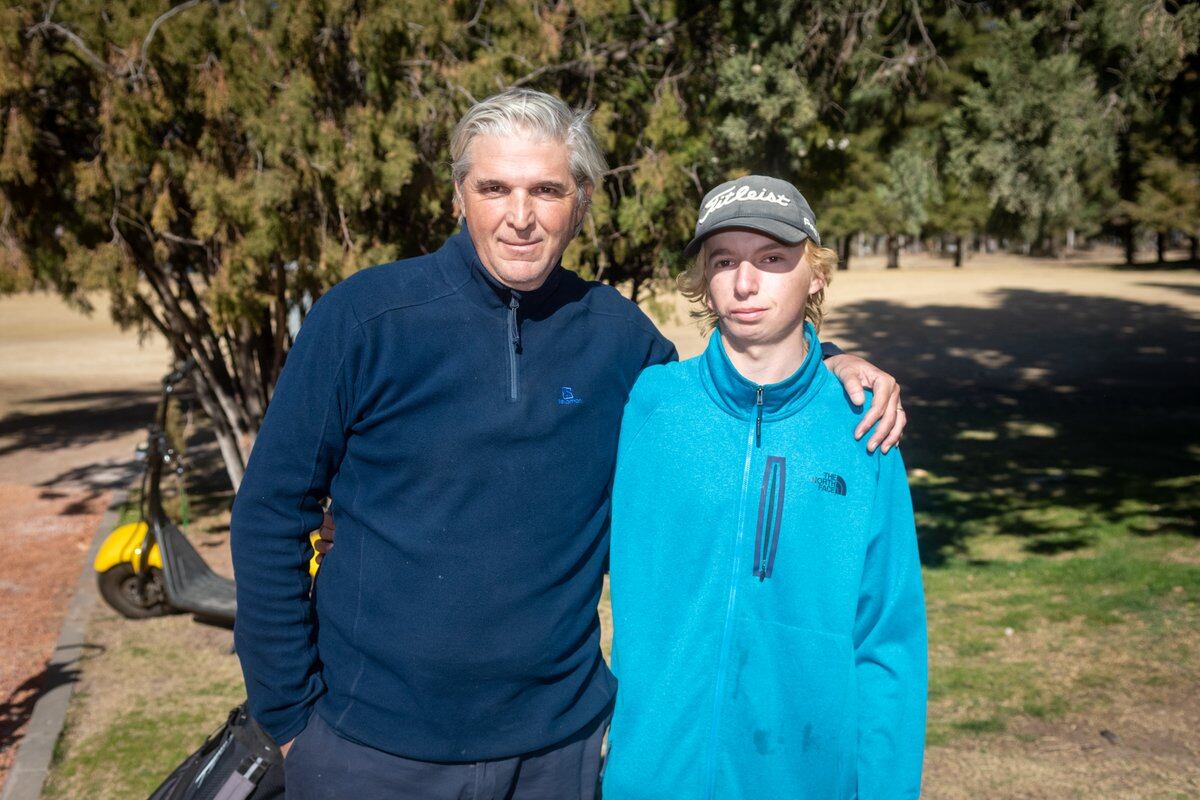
770 516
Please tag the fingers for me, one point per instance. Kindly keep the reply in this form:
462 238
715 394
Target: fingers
882 390
887 422
844 367
894 437
322 546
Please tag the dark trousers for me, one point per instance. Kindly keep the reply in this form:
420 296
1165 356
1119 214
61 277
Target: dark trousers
321 765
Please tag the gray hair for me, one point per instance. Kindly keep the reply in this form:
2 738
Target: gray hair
524 112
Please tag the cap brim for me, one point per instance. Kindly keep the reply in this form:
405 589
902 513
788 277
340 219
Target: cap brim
779 231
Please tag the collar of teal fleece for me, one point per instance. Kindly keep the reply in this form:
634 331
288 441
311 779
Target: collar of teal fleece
738 396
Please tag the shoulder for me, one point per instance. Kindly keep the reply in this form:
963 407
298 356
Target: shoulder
603 300
657 387
405 283
660 382
839 416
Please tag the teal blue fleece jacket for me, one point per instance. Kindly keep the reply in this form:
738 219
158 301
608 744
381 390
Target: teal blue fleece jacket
769 621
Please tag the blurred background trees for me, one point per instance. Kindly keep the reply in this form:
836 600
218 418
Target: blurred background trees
214 166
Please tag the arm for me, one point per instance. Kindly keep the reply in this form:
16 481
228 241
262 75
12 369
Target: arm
295 457
890 649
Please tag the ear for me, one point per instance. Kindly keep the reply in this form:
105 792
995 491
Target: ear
459 206
582 209
816 284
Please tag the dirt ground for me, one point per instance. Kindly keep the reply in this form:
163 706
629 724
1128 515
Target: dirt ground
75 393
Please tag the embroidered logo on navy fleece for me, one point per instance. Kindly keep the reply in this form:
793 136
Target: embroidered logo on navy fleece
834 484
568 397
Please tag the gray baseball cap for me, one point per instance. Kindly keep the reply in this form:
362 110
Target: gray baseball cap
768 205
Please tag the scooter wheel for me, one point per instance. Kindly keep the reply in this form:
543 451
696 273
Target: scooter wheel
119 588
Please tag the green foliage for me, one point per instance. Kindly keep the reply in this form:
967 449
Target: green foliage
1032 128
212 166
1168 197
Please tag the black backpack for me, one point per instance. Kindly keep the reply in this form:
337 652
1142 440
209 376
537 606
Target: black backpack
237 762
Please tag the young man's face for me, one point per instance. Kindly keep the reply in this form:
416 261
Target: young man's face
521 205
757 286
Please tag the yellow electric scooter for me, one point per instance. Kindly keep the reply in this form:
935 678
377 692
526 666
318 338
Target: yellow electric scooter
149 568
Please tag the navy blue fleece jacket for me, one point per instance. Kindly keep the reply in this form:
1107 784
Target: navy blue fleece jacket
467 435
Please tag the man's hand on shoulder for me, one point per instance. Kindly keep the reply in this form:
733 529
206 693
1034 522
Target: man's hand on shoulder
857 375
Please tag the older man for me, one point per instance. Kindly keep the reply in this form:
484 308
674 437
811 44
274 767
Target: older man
462 410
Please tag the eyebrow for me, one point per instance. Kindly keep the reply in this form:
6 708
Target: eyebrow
724 251
556 185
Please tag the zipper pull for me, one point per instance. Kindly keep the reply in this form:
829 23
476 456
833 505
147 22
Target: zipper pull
758 422
514 332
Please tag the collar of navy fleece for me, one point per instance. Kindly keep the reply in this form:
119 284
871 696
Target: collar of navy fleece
738 396
466 271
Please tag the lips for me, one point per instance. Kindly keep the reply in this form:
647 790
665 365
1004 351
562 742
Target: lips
521 247
747 314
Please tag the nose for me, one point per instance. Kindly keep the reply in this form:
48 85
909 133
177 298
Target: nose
520 211
745 281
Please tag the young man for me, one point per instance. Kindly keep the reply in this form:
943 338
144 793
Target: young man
461 409
769 626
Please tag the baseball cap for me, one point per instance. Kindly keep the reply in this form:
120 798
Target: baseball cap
768 205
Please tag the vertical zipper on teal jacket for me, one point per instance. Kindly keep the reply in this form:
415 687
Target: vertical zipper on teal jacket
727 633
514 346
758 398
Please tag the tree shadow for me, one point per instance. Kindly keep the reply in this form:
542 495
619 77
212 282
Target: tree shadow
1043 415
16 709
95 416
1188 288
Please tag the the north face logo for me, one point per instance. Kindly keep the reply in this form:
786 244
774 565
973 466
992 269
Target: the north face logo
834 484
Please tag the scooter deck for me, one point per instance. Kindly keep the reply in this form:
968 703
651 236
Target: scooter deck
190 583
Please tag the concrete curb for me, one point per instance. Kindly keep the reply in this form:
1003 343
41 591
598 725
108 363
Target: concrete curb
32 762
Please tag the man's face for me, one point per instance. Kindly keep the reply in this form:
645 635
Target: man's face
757 286
520 202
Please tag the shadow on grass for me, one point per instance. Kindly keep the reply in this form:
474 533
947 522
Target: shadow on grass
1044 416
16 709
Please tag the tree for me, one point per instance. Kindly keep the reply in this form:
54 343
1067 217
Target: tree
960 211
1144 56
1046 154
213 166
1168 200
905 196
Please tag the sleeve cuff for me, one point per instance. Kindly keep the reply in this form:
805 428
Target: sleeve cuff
829 350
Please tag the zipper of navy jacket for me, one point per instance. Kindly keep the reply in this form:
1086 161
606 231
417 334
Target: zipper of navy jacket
514 346
752 439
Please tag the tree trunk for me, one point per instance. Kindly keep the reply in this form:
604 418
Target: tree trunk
893 251
1193 242
844 255
958 248
1127 231
1160 246
1070 240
